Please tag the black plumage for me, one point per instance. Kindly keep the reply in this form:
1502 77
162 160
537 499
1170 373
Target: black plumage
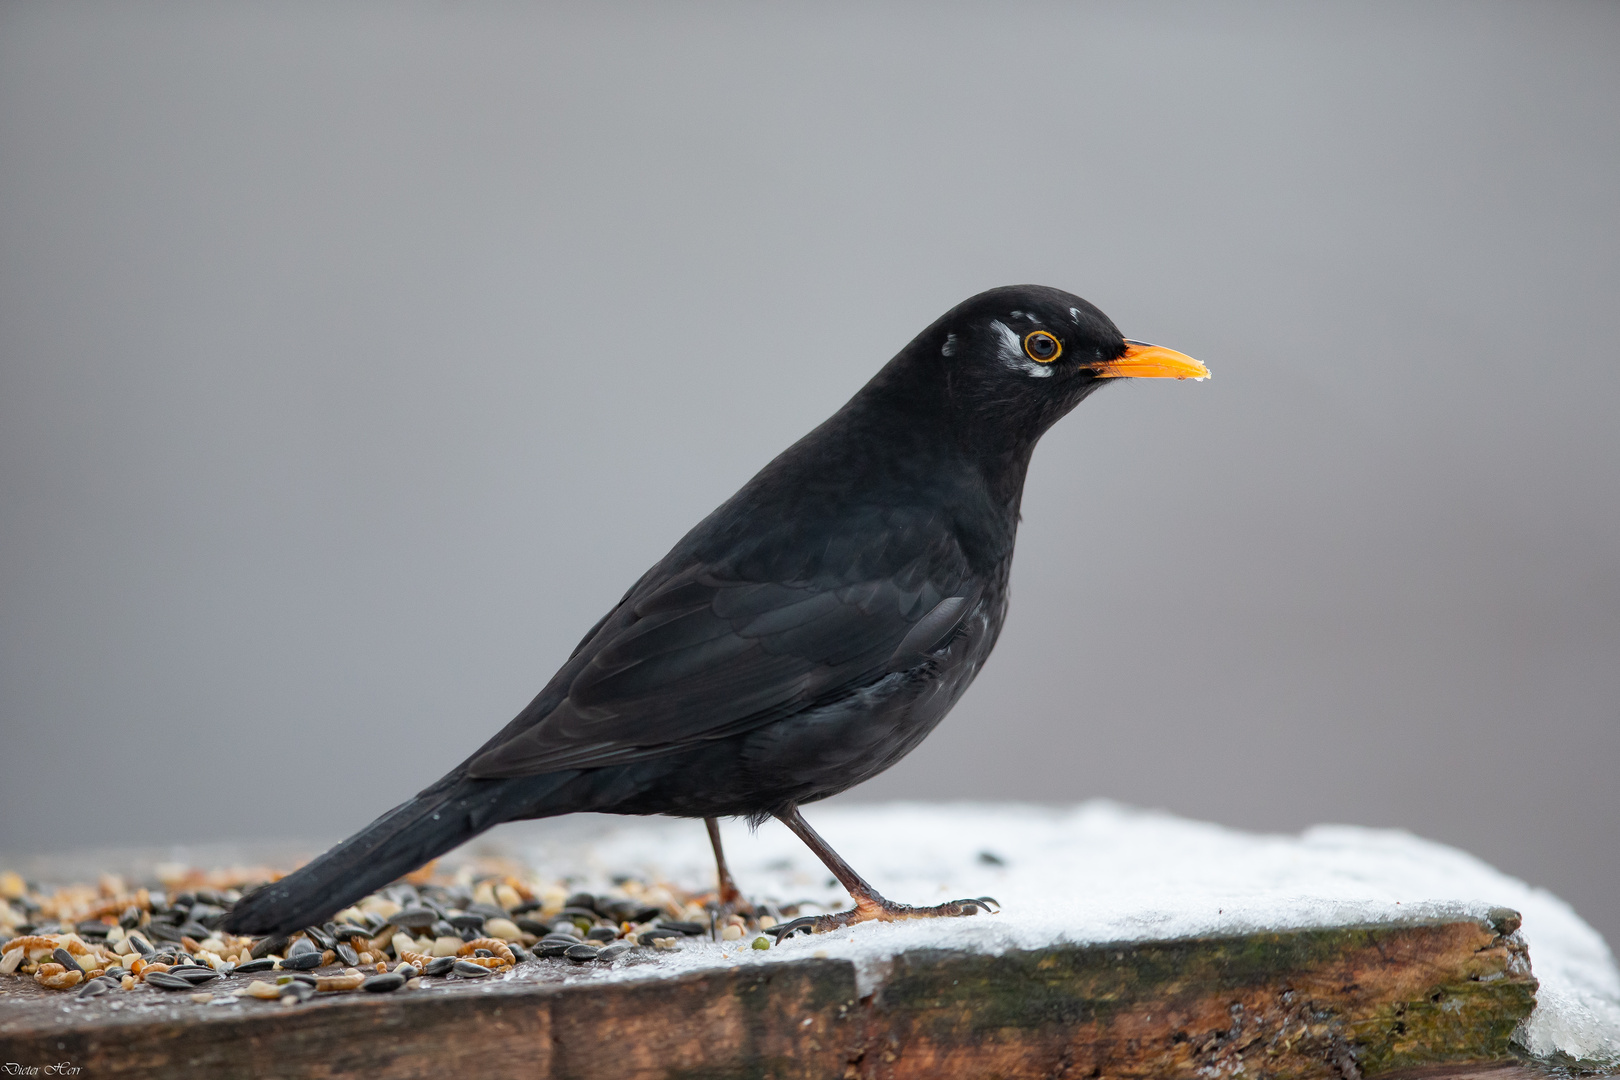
804 636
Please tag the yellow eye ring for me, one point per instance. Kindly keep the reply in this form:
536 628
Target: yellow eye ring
1042 347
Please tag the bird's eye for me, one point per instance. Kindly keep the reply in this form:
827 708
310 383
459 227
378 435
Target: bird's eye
1042 347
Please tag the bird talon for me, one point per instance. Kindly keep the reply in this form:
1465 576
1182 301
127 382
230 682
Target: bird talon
720 914
788 929
956 908
882 911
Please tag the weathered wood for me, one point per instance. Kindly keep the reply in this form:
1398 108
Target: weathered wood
1300 1003
1403 1000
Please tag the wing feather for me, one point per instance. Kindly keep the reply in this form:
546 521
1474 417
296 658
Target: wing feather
721 644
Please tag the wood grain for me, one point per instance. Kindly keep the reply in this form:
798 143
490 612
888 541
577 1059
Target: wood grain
1400 1001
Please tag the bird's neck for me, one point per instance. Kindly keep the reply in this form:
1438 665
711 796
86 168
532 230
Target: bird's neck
940 428
931 454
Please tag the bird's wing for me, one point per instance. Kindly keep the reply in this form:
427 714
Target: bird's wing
722 645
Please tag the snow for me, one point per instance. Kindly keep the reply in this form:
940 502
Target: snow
1095 873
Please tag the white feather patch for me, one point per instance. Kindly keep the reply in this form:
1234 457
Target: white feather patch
1011 351
949 348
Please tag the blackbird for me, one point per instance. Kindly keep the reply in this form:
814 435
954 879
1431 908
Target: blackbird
804 637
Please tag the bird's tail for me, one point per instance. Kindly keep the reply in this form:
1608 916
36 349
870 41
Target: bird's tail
409 835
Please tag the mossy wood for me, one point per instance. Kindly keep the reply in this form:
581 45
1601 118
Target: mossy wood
1412 999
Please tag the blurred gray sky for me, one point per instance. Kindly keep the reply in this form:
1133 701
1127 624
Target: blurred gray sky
354 359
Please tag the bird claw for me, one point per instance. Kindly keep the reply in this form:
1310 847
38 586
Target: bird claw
788 929
883 911
971 906
720 913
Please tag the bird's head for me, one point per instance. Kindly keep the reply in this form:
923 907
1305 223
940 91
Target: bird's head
1019 357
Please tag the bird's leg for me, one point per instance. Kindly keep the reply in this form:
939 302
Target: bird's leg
729 896
869 904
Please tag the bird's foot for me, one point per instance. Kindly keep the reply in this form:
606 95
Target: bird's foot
728 900
877 909
720 913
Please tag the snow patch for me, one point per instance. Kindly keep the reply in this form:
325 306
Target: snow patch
1099 872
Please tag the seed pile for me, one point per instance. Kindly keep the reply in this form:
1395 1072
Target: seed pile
483 920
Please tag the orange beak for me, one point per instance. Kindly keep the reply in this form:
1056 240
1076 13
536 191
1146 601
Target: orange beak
1144 361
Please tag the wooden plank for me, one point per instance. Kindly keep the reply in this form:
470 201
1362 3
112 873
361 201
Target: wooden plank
1365 1000
1410 1000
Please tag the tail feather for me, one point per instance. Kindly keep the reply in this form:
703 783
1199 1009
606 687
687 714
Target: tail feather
409 835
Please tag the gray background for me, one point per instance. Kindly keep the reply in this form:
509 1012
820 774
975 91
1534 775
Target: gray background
356 358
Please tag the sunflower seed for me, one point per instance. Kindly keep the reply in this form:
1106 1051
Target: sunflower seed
690 929
195 975
415 918
384 983
93 988
265 946
297 991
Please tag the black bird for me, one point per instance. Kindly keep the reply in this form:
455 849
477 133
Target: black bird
804 637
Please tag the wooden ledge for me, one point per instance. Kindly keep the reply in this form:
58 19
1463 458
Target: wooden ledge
1404 1000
